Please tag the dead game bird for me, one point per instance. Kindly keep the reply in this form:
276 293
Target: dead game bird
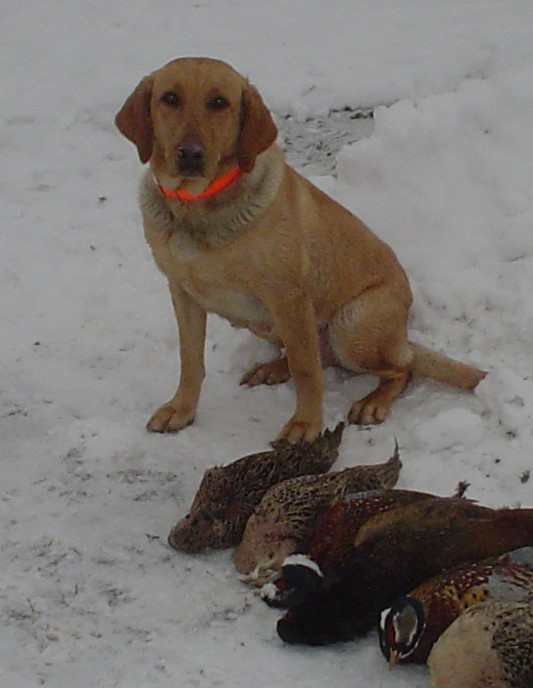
489 646
289 509
410 627
330 540
390 555
228 494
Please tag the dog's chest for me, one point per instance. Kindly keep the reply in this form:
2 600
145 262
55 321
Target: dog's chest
206 281
214 276
241 309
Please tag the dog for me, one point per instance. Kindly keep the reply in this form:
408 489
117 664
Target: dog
238 232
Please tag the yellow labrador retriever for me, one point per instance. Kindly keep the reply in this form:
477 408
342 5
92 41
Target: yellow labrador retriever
237 232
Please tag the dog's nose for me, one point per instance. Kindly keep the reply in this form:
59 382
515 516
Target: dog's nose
190 153
190 158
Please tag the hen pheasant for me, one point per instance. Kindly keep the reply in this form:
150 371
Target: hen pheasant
228 494
489 646
409 628
336 598
289 510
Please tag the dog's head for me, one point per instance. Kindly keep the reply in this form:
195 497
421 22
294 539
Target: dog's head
194 119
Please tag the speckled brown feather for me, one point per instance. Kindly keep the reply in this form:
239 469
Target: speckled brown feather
228 494
489 646
289 510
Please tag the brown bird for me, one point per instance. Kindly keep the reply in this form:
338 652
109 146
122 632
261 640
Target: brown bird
390 555
330 541
289 510
413 623
489 646
228 494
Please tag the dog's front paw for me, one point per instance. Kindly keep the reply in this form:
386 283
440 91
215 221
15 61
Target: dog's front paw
171 417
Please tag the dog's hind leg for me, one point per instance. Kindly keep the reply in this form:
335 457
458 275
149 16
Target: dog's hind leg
370 335
270 373
277 371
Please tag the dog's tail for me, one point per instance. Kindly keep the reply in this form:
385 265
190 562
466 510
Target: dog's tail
428 363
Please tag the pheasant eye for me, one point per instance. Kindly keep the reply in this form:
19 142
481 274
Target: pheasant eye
217 103
170 98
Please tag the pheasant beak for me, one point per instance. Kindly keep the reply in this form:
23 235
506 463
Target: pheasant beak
394 658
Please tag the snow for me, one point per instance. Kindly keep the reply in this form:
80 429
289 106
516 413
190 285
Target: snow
90 593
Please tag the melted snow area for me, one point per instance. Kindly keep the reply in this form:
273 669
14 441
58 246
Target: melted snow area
90 594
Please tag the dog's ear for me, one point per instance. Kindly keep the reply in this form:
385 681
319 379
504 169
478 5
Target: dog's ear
134 121
258 130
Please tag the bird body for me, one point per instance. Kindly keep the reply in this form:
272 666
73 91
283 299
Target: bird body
409 628
489 646
228 494
389 555
330 541
287 512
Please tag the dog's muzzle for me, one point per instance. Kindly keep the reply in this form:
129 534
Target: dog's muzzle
190 160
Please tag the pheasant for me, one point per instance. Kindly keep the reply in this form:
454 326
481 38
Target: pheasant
228 494
336 598
489 646
330 541
289 510
409 628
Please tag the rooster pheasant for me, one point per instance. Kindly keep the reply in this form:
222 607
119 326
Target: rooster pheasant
409 628
338 597
330 541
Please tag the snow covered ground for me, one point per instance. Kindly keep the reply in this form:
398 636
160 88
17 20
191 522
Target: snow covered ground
90 595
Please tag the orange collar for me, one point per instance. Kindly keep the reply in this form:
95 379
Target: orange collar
215 187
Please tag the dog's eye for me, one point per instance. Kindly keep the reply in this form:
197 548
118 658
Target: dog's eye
217 103
170 98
